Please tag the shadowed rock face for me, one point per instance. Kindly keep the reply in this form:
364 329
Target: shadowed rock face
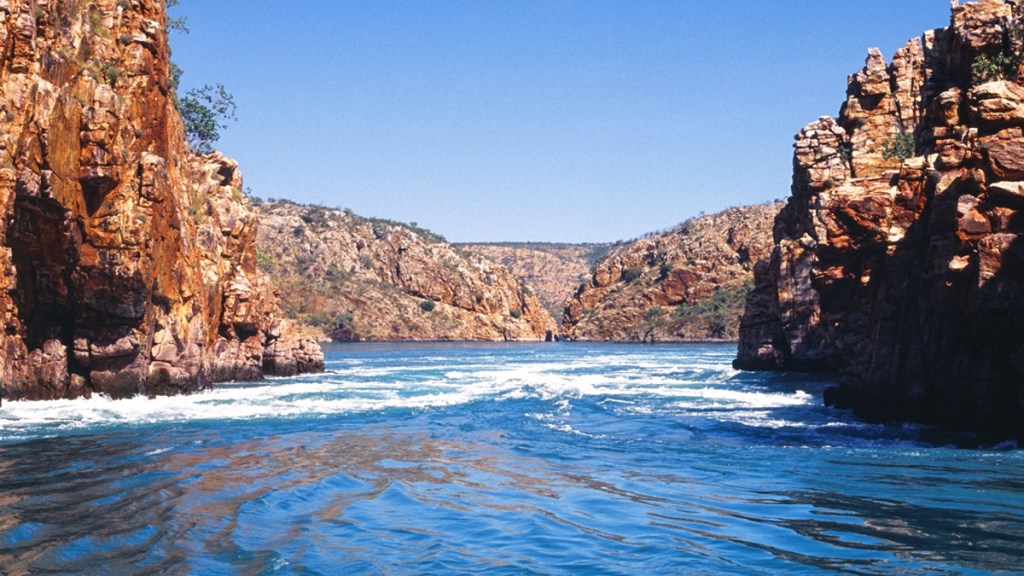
128 263
684 284
907 277
356 278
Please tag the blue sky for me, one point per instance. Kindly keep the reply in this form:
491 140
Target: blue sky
546 120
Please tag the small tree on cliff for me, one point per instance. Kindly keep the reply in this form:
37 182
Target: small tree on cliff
205 112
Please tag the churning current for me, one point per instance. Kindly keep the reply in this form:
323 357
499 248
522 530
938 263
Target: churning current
499 459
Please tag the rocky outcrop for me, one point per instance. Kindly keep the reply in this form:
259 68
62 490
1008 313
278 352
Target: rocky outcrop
906 275
684 284
553 270
128 263
355 278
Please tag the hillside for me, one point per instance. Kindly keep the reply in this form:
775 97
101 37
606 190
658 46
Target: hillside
684 284
553 270
352 278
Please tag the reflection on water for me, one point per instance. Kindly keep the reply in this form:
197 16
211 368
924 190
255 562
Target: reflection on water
596 478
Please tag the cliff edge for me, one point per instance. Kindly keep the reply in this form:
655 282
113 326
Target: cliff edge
899 257
128 263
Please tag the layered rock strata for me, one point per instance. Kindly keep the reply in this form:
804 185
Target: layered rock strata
907 275
128 263
684 284
354 278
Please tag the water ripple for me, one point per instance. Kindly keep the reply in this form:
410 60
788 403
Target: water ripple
500 460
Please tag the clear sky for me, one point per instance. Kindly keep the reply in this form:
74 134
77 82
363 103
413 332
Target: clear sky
547 120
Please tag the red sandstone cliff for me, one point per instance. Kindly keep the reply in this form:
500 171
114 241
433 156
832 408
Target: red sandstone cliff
358 278
908 277
128 263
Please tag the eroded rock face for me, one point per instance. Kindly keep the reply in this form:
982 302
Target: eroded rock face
685 284
355 278
128 263
906 277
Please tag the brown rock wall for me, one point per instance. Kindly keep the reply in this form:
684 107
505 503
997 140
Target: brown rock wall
905 276
128 262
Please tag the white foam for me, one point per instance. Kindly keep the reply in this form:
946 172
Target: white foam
635 380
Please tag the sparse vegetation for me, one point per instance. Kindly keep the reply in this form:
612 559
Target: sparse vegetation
1001 66
265 261
96 22
1004 65
428 305
718 311
177 24
899 147
845 154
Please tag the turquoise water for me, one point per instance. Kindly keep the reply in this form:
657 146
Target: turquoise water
500 459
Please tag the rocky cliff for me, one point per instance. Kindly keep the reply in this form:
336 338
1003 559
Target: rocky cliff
684 284
899 257
357 278
553 270
128 263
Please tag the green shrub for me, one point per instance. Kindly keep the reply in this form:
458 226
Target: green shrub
987 68
265 261
344 320
899 147
515 314
631 274
846 154
428 305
